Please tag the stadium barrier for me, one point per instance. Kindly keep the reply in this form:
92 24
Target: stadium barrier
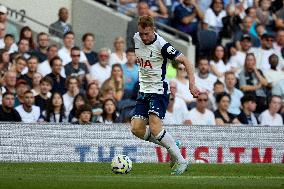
99 143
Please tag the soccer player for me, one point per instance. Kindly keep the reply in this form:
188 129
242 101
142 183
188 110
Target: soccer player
152 52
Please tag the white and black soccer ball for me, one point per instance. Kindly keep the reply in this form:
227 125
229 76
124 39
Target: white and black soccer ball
121 164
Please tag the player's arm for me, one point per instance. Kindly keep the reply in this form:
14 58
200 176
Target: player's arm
190 73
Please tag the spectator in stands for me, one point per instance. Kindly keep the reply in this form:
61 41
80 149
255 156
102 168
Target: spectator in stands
235 94
7 111
10 44
10 80
64 52
213 16
23 48
203 78
273 75
19 66
222 116
79 100
2 35
101 71
93 98
262 53
73 88
252 81
158 10
58 80
84 115
218 88
119 55
231 21
41 100
200 115
127 7
10 28
186 17
245 29
278 89
32 63
42 45
279 43
109 115
248 107
271 116
142 10
55 111
218 62
5 63
177 112
45 68
265 15
114 83
130 73
182 86
28 111
61 27
88 40
21 87
36 83
26 33
237 60
77 68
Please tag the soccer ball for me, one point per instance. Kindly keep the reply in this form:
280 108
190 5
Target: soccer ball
121 164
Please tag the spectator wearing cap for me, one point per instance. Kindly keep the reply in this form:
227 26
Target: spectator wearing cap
28 111
245 29
10 29
61 27
262 53
7 111
237 60
248 107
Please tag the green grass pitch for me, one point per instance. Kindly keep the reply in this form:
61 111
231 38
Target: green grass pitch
157 176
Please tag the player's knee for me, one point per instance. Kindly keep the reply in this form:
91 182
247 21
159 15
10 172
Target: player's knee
137 130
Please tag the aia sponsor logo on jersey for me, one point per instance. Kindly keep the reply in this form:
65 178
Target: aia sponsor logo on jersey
144 64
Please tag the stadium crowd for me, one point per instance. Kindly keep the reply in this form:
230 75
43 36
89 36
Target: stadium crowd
239 67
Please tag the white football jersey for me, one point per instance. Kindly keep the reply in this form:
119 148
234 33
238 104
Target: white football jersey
152 62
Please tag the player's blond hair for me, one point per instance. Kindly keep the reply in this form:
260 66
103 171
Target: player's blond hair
146 21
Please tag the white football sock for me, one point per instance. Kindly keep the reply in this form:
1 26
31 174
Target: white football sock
149 137
168 142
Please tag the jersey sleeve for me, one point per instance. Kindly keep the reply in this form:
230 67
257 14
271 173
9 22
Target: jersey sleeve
169 52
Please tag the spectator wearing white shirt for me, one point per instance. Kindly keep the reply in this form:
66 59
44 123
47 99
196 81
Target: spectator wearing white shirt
65 52
236 94
29 112
101 71
213 16
200 115
44 68
218 62
10 44
119 55
203 78
273 75
177 112
270 116
73 88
